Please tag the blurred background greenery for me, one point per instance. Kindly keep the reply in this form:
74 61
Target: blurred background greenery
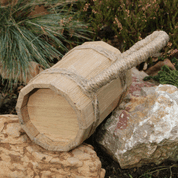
130 20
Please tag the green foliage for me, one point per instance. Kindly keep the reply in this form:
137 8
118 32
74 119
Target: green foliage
166 75
40 38
133 20
174 60
161 58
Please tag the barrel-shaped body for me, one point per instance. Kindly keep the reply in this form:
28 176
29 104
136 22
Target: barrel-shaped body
55 112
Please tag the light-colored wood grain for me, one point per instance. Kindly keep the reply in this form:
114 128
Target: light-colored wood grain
30 129
60 110
51 113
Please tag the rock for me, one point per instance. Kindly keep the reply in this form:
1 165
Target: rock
21 158
138 83
174 53
144 128
157 67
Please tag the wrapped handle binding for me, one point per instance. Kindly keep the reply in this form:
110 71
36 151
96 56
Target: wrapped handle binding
137 54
